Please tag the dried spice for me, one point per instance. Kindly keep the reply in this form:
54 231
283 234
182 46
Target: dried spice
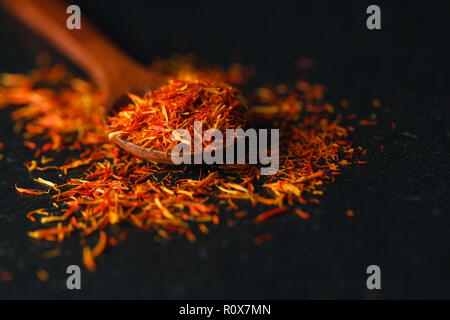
117 187
42 275
149 121
266 215
302 214
258 240
350 213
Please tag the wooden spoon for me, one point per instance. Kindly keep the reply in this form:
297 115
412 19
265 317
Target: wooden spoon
112 70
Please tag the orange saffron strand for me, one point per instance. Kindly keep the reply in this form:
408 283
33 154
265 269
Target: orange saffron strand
302 214
88 259
101 245
30 191
266 215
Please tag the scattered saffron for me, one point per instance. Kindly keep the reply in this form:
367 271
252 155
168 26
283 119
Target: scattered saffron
117 187
42 275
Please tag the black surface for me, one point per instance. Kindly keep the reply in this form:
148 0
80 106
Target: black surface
400 197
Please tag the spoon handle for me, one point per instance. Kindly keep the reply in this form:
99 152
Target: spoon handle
86 47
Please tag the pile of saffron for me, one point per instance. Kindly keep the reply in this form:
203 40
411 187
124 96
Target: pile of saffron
116 187
150 120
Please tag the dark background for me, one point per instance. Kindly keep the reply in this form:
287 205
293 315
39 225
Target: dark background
400 197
